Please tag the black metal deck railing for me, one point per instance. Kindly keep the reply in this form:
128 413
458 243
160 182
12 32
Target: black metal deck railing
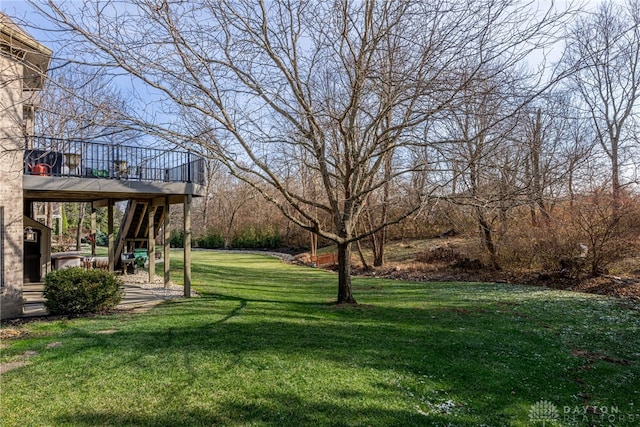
74 158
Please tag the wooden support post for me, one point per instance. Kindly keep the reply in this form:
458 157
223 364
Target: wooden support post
167 241
187 245
151 242
111 245
94 223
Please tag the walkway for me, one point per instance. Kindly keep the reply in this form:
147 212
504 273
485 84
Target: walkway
139 295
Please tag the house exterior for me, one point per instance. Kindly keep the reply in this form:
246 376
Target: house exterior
23 63
38 168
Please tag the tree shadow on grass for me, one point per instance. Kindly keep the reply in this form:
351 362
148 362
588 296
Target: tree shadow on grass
464 355
276 409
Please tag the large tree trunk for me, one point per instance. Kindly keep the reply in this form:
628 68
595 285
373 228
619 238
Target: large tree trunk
487 239
228 235
344 274
48 213
615 177
537 179
314 244
380 237
362 258
378 247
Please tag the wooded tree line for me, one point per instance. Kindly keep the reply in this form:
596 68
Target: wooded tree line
361 121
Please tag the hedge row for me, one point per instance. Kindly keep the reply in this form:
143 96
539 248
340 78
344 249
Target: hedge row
250 238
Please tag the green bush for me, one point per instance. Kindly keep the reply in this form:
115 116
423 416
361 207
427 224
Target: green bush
252 238
247 238
101 239
177 239
211 240
76 290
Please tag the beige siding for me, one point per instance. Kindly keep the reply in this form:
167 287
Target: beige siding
11 185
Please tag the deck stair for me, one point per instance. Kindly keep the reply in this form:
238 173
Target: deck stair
33 300
133 232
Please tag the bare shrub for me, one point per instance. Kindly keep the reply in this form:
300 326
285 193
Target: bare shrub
444 254
582 237
602 221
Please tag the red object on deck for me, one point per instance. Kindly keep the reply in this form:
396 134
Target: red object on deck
40 169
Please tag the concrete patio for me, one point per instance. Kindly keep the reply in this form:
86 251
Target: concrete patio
140 295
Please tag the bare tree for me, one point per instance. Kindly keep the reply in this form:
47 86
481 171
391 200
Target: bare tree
603 49
484 155
212 170
554 147
80 102
602 223
231 196
347 83
375 215
535 170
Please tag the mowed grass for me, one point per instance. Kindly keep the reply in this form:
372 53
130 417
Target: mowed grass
264 345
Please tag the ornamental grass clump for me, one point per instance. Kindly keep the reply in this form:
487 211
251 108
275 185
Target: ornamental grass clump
76 291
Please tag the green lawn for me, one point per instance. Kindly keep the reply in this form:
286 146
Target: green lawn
264 346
